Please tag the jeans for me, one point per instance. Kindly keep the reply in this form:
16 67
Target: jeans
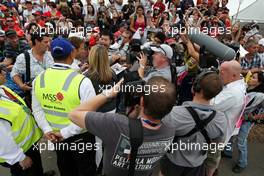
241 144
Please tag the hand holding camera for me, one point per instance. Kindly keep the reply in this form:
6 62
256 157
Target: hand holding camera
143 60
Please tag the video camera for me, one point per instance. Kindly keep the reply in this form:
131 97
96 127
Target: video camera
135 50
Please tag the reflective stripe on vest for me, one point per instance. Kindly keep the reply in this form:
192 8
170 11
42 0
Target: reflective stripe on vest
58 93
29 136
56 113
69 80
15 134
57 126
4 111
66 84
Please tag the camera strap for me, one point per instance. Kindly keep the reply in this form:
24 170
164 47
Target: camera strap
199 126
136 139
28 97
27 59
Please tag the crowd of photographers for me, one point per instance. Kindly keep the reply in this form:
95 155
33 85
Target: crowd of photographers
73 71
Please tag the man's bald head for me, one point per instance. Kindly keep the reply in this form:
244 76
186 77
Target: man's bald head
230 71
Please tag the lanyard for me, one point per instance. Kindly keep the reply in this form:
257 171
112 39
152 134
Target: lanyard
152 124
61 66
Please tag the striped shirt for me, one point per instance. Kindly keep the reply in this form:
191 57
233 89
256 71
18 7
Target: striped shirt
254 63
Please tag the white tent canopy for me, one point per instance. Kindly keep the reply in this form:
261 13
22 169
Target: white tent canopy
246 10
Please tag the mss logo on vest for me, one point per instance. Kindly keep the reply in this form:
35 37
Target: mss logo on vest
52 97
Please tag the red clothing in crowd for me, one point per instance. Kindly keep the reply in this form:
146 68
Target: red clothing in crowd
160 5
16 26
92 41
117 34
228 23
48 14
209 2
41 23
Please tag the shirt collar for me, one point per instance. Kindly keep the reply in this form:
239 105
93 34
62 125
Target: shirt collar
61 65
199 106
236 83
33 57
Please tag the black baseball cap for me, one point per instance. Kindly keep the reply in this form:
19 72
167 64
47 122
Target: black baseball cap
10 32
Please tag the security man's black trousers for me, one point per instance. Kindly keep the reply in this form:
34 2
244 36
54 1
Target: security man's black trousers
169 169
36 168
75 157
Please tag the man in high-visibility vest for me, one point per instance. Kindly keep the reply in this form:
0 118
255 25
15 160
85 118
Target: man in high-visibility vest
55 93
19 134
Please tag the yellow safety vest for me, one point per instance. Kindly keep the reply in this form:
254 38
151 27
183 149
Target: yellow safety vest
24 128
58 93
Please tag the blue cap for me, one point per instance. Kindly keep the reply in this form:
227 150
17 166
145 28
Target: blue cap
61 47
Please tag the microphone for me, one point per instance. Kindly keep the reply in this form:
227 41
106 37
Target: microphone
223 52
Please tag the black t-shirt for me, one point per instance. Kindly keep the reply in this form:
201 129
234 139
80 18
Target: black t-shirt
99 87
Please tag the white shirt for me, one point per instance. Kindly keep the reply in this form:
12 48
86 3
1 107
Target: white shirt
27 13
75 65
86 92
230 101
261 55
9 150
118 6
36 67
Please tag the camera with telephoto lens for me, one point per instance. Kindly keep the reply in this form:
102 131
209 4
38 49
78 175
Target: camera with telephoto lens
132 89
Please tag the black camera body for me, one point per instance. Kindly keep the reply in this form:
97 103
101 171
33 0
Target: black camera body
132 88
135 50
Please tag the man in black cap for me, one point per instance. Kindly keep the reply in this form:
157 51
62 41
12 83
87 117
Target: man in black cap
12 48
